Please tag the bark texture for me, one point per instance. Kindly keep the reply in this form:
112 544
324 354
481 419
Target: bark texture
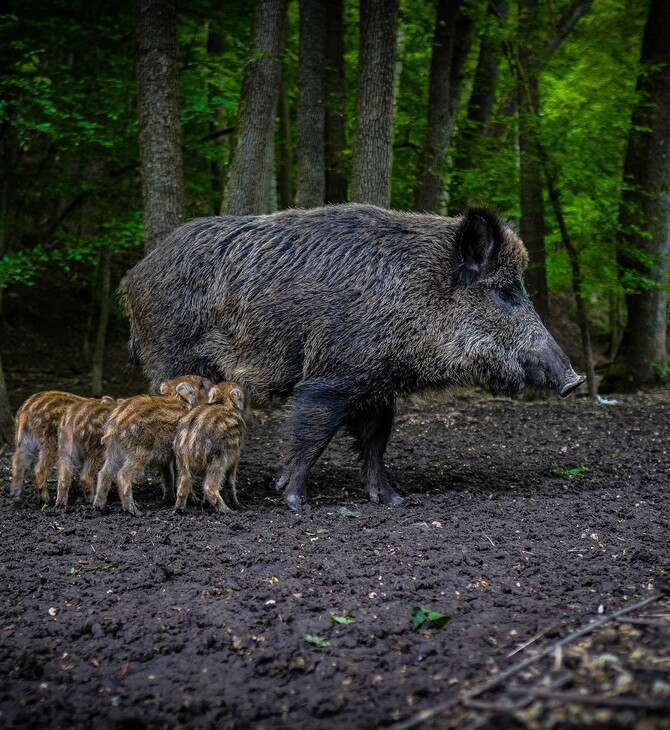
373 135
645 212
311 107
6 419
336 178
248 189
453 31
532 226
155 37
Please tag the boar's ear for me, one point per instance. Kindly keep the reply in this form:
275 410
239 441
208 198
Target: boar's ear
238 398
478 242
187 392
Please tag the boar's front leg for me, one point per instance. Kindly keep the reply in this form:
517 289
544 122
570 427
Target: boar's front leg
371 426
319 408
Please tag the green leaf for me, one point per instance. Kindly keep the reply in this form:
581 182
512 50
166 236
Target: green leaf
430 622
348 513
318 641
346 618
564 471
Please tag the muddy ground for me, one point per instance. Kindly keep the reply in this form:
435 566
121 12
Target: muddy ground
530 524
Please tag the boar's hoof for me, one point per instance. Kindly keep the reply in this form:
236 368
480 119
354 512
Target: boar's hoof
296 504
386 495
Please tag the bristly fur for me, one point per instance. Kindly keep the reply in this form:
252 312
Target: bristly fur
343 308
138 433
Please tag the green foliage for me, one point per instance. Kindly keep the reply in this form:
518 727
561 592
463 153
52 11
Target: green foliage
69 157
427 621
26 266
571 472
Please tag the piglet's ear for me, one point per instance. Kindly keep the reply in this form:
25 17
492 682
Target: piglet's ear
211 396
479 239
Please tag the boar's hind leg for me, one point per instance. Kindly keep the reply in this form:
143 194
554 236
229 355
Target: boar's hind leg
319 407
372 428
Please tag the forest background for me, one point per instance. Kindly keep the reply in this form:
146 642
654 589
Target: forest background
119 120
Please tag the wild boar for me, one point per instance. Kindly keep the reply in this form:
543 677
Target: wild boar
36 438
80 448
139 432
343 309
207 444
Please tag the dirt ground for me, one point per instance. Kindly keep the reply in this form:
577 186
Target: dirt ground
540 528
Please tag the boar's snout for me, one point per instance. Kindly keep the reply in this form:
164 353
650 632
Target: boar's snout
549 367
572 382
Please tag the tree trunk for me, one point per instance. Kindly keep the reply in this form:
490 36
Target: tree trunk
311 187
155 34
532 227
451 43
373 134
6 418
256 117
285 166
215 50
336 179
645 214
98 357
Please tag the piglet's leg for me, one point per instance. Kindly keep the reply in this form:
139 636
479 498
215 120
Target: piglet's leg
168 476
19 466
319 407
184 482
42 469
127 474
231 480
216 472
87 476
371 427
65 475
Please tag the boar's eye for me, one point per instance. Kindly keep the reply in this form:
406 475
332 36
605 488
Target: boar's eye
509 296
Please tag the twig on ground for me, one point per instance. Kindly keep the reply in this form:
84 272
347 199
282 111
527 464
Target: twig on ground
580 699
420 717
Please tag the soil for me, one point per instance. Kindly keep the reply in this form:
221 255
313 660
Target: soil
529 524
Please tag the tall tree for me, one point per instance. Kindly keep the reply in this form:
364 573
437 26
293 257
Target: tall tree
285 155
533 52
373 133
476 133
532 225
311 108
451 41
247 191
155 36
335 143
645 212
6 420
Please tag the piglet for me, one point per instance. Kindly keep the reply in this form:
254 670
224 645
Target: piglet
207 444
80 448
139 433
36 439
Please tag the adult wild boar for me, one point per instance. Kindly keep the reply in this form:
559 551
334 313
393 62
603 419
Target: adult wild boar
343 309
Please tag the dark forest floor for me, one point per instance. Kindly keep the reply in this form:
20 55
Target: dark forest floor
523 521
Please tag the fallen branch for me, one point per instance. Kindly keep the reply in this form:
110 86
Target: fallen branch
420 717
578 699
